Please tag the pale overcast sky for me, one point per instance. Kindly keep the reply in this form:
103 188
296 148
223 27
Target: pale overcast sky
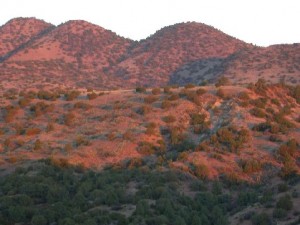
261 22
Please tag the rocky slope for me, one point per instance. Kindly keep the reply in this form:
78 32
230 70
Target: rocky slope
81 54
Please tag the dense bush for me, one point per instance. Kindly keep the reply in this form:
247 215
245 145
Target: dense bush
260 87
71 95
285 203
173 97
92 96
82 105
155 91
150 99
199 123
200 91
10 113
169 119
23 102
188 86
167 90
259 102
262 219
41 108
288 149
54 192
140 89
231 138
150 128
295 93
251 165
166 104
47 95
222 81
257 112
69 119
144 109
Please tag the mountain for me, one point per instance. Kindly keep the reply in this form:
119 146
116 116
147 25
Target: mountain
152 60
73 53
277 63
81 54
74 153
17 32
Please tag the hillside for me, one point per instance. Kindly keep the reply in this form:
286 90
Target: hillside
115 125
17 32
73 54
151 61
278 63
233 150
81 54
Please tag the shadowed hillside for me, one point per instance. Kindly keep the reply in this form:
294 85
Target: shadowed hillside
277 63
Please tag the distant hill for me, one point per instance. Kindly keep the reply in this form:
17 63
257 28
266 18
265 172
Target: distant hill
152 60
19 31
34 53
277 63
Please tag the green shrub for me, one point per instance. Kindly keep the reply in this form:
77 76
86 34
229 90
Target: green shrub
201 171
259 103
261 219
198 118
169 119
10 113
38 220
283 187
295 93
146 148
188 86
257 112
81 141
231 138
173 97
289 149
37 145
82 105
176 135
200 91
167 90
275 101
166 104
150 128
140 89
275 138
71 95
221 93
251 166
260 87
23 102
156 91
279 213
285 202
92 96
69 119
47 95
222 81
41 108
33 131
128 135
144 109
282 121
243 96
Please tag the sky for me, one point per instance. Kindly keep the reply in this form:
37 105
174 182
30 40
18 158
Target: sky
260 22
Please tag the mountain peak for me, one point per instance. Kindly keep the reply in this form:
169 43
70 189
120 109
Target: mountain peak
18 31
26 20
